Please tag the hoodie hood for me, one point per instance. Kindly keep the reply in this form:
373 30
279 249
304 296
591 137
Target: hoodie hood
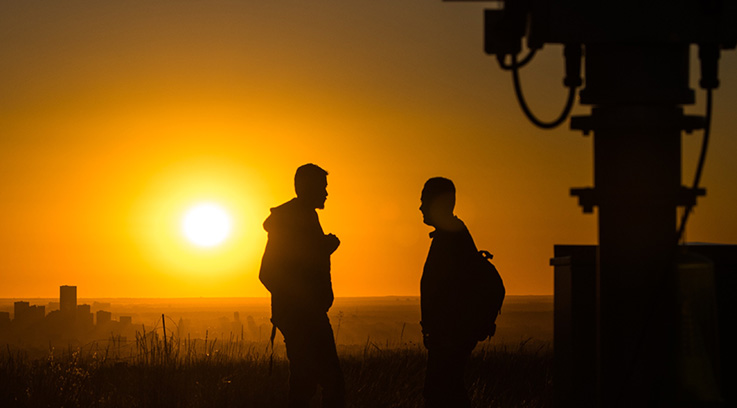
286 215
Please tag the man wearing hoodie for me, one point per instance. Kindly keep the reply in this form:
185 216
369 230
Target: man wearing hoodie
296 270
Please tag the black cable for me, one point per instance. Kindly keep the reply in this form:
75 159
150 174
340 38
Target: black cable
508 67
523 104
709 64
700 165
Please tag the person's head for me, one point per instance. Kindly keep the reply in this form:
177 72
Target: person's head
310 184
438 200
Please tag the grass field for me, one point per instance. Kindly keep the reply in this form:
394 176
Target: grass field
186 373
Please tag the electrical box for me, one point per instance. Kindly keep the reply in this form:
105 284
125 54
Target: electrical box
644 21
575 319
574 325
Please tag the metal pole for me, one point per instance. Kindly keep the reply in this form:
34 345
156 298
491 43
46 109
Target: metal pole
637 123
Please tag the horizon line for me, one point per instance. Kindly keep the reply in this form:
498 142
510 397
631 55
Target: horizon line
239 297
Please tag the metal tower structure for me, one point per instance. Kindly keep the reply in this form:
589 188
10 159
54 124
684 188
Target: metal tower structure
636 67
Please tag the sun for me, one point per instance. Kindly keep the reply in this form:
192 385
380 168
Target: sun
206 225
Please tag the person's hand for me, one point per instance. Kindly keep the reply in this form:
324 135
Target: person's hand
332 242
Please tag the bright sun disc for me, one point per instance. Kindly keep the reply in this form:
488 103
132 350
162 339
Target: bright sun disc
206 225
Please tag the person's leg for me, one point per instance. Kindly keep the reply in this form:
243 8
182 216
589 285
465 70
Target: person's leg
436 378
330 375
302 381
444 385
457 392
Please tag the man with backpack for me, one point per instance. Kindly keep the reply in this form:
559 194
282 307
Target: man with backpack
296 270
454 314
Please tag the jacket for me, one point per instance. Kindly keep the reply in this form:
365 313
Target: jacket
444 291
295 267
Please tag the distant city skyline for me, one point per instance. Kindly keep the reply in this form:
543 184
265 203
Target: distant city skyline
66 321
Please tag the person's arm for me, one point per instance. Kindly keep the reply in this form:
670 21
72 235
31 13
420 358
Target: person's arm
331 243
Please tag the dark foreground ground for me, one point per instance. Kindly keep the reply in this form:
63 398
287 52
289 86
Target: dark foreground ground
238 375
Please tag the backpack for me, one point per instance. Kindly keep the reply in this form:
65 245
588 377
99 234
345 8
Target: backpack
486 291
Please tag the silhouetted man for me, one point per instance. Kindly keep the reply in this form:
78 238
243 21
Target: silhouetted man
296 270
444 292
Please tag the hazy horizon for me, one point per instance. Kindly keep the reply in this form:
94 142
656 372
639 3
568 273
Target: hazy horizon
81 299
391 320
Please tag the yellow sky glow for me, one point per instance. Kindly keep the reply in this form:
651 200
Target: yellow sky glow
117 117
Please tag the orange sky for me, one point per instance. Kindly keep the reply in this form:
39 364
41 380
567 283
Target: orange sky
116 116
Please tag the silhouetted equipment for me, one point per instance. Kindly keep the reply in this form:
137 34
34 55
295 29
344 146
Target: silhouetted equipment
636 70
574 325
703 309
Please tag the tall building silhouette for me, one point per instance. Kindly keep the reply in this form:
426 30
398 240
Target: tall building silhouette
68 300
104 317
24 313
20 310
84 316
